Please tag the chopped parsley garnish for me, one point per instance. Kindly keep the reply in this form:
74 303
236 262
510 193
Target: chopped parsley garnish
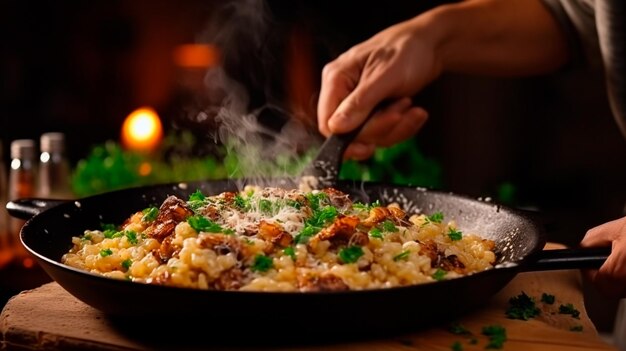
316 222
228 231
86 237
456 346
127 263
522 307
241 203
262 263
454 234
196 200
547 298
458 329
350 254
203 224
266 207
293 203
149 214
108 230
376 233
576 328
316 200
569 309
106 252
402 255
388 226
496 334
131 236
365 207
436 217
289 251
439 274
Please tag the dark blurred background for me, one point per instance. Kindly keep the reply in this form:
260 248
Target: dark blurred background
547 144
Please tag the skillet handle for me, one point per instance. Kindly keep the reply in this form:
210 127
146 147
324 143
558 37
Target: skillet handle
577 258
29 207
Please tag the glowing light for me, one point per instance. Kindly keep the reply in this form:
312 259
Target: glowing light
196 55
142 130
145 168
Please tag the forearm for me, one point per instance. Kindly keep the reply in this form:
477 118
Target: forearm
496 37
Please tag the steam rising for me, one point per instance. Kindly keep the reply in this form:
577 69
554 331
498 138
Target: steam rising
244 33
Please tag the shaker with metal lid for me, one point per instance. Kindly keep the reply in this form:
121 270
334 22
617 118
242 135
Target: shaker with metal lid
22 184
54 172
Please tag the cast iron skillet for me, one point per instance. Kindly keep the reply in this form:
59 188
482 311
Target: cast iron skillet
519 241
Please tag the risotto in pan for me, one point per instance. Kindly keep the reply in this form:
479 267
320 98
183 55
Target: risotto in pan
273 239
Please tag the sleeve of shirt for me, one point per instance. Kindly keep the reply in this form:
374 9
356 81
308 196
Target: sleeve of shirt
577 19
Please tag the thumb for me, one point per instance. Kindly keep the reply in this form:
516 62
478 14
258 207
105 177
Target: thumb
356 107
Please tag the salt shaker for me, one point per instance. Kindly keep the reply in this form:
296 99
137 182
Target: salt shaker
54 171
22 184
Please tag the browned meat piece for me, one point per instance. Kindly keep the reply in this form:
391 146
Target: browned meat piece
359 239
451 263
211 212
223 244
166 250
327 282
342 231
343 227
429 248
274 233
377 215
231 279
172 211
228 197
397 212
337 198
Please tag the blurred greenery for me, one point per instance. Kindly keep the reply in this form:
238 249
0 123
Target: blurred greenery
109 167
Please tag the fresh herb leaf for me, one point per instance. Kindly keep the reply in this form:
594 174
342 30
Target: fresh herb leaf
569 309
439 274
289 251
131 236
436 217
196 200
316 200
228 231
350 254
241 203
522 307
262 263
106 252
454 234
388 226
547 298
150 214
496 334
266 207
456 346
203 224
576 328
376 233
127 263
402 255
458 329
86 237
293 203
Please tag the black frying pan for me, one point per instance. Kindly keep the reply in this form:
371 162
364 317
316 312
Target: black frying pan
519 242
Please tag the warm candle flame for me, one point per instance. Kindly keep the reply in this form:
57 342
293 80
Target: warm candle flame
142 130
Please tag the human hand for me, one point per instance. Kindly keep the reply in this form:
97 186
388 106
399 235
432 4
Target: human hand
391 66
610 279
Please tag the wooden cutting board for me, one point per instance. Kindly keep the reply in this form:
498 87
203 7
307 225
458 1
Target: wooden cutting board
50 318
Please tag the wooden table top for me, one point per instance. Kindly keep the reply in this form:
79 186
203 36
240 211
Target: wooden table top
50 318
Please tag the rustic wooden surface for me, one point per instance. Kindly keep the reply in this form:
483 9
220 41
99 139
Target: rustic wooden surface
49 318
